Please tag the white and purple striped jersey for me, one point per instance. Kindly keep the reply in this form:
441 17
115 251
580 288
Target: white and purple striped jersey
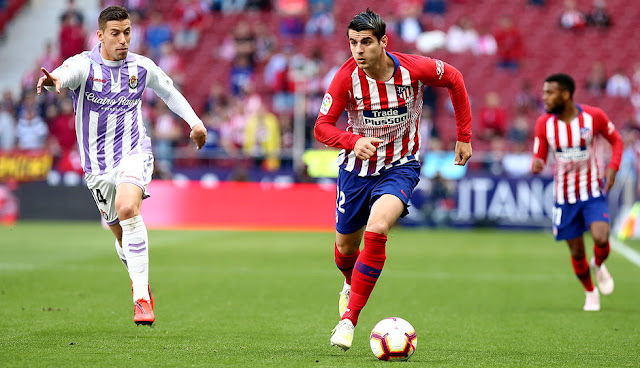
107 99
389 110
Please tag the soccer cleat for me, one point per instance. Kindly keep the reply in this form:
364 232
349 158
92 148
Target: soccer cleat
592 301
342 335
143 313
150 295
605 281
343 302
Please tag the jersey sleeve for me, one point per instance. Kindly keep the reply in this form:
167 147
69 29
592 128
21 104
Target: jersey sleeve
608 130
334 103
72 72
437 73
540 144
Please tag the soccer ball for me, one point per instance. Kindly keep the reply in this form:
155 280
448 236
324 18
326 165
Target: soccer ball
393 338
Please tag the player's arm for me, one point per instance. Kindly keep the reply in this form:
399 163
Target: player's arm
540 147
610 133
162 85
69 75
437 73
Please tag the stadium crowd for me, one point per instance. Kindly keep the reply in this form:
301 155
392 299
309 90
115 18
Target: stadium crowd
250 108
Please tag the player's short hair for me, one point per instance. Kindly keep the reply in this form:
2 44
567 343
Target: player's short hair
366 20
112 13
565 82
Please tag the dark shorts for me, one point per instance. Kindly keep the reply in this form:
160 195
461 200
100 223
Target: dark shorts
356 194
572 220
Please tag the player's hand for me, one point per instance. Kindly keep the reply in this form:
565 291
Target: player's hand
537 165
198 134
610 179
463 153
366 146
48 80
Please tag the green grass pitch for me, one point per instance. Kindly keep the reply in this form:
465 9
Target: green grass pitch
269 299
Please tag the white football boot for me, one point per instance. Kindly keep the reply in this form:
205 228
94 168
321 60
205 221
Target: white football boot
343 302
592 301
342 335
605 281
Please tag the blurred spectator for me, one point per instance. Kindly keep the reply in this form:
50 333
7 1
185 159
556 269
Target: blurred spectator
258 5
519 131
537 2
292 13
510 44
171 63
486 44
408 26
166 134
158 33
190 18
241 42
436 9
71 37
63 129
526 101
492 119
217 99
571 18
228 6
462 37
71 11
322 21
137 6
262 136
265 43
618 85
596 82
7 128
138 32
31 131
49 58
599 15
241 75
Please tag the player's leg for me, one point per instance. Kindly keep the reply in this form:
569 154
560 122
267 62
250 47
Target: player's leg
346 252
583 273
384 213
600 233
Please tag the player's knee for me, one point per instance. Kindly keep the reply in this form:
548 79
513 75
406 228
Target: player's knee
127 210
601 238
378 227
347 248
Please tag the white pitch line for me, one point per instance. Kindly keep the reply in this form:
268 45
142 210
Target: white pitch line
628 252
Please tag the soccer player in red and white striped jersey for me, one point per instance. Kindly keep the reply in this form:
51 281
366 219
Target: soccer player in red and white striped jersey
569 131
382 93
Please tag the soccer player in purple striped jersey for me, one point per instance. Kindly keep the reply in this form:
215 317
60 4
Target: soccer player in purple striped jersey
379 165
107 85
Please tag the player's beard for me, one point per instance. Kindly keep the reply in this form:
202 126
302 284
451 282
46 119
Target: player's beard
557 109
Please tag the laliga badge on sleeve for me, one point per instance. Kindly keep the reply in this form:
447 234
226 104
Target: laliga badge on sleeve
327 101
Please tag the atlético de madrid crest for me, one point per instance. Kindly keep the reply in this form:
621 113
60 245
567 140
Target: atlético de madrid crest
133 82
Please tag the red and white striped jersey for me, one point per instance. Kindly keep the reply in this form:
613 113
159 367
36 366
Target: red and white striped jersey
576 176
388 110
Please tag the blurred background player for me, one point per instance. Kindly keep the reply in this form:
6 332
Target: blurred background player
569 131
379 162
107 84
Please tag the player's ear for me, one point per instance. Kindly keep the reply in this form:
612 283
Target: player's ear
383 41
100 35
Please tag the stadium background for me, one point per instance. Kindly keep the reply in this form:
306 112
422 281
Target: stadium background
236 61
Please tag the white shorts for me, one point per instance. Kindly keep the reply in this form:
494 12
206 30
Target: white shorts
135 168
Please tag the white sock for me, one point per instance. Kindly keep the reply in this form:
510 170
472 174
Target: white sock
135 244
123 258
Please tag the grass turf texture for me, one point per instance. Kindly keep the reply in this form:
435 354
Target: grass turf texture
256 299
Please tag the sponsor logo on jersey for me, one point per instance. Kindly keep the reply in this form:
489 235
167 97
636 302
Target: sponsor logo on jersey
133 82
111 101
386 116
327 101
572 154
439 68
98 80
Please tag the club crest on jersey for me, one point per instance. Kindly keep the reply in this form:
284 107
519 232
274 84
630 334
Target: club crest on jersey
403 92
133 82
586 134
439 68
327 101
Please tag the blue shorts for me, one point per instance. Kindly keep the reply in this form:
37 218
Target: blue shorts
572 220
356 194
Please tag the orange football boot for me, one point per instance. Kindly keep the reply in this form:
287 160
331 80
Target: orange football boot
143 313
